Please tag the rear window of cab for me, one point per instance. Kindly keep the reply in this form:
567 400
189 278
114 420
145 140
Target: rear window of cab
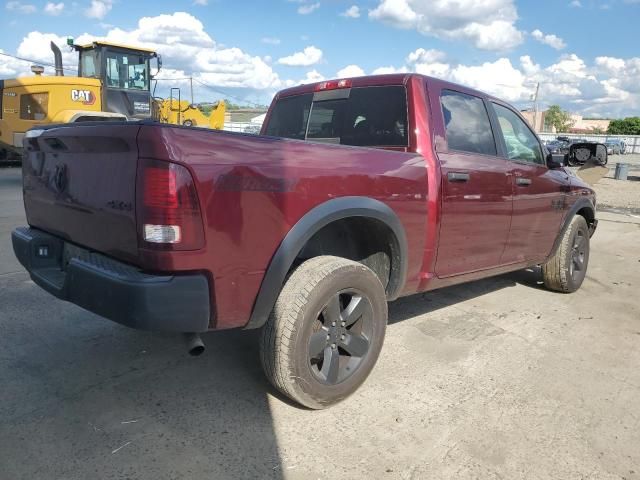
361 116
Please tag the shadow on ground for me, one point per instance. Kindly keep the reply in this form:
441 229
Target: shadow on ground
429 302
84 398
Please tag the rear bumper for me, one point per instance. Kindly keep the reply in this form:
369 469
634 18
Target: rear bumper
113 289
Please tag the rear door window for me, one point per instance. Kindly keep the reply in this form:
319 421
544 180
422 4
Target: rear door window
369 116
467 124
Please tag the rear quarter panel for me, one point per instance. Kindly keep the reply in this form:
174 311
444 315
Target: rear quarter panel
253 189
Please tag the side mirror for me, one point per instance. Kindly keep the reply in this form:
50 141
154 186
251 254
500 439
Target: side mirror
554 163
158 65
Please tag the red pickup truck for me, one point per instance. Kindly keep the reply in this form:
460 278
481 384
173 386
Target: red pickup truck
358 191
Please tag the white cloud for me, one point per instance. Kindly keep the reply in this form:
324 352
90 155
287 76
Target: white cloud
610 65
53 9
428 62
308 8
396 12
575 4
351 12
350 71
35 46
10 67
20 7
187 49
552 40
425 56
271 40
607 87
312 76
99 9
309 56
385 70
487 24
500 78
202 3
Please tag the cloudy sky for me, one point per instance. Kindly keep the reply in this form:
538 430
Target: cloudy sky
584 53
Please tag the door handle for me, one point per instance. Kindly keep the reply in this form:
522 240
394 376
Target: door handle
523 182
458 177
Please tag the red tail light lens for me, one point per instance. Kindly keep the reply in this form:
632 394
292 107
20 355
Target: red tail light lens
169 216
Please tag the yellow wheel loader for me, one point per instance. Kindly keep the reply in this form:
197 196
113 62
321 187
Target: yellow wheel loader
113 83
176 111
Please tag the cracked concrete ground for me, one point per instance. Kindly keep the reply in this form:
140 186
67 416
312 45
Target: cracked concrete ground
494 379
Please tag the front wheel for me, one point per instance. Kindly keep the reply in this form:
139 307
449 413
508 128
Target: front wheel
565 270
325 332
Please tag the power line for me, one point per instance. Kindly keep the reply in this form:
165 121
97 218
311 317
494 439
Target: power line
29 60
221 92
214 89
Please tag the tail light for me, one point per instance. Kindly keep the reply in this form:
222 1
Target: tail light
169 216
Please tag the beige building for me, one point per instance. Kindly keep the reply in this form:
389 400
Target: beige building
536 120
580 124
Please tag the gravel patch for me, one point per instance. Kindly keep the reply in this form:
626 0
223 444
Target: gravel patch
620 194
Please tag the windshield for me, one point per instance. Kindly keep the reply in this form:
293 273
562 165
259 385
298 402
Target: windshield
369 116
128 71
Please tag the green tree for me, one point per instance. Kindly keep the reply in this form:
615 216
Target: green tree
558 118
625 126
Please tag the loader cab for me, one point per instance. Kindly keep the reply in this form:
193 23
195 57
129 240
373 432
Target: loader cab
125 74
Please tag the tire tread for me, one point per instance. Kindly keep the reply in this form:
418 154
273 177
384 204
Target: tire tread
555 273
278 334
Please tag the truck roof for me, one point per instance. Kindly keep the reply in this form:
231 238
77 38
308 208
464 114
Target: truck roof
380 80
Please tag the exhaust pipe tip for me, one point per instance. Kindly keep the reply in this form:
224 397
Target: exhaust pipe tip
195 345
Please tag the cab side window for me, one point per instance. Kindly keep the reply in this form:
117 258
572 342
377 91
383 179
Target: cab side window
521 143
467 123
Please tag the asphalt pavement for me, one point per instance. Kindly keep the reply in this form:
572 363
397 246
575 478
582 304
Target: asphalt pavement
494 379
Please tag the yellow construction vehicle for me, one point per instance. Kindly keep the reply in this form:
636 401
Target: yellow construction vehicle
176 111
113 83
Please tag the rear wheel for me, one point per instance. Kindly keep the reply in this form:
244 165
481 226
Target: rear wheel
566 269
325 332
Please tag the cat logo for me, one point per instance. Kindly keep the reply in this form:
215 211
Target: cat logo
85 96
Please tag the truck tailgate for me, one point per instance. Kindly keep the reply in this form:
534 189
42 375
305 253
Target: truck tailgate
80 184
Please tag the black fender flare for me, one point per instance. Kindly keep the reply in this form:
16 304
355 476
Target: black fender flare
305 228
575 208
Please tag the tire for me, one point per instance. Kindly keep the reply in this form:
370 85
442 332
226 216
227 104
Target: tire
315 354
565 270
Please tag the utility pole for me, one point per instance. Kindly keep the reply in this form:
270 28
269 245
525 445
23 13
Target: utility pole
535 109
191 83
